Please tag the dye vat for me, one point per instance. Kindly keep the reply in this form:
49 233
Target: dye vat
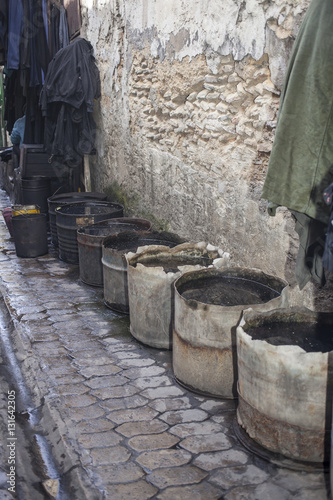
69 218
285 383
90 239
60 200
151 275
114 250
208 306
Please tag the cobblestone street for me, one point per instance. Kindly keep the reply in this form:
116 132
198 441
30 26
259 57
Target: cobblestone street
117 423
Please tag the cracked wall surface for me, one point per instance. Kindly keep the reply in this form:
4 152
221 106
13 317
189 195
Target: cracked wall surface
190 94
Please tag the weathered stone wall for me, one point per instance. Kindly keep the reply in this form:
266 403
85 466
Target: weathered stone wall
190 93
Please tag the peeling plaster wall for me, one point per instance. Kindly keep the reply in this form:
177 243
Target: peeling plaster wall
190 93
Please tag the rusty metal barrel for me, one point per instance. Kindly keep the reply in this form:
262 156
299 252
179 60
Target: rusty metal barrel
71 217
60 200
90 239
285 376
151 275
208 307
114 250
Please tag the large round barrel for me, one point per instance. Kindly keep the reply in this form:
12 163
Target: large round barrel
71 217
90 239
151 275
208 307
60 200
30 235
114 250
35 191
284 385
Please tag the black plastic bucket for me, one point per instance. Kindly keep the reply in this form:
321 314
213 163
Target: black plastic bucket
35 191
60 200
30 235
71 217
90 240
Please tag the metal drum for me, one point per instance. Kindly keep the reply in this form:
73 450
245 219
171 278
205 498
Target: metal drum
285 381
60 200
208 307
71 217
151 275
90 239
114 250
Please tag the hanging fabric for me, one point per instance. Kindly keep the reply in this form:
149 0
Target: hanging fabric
67 100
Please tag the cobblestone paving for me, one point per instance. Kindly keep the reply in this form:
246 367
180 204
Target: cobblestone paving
112 407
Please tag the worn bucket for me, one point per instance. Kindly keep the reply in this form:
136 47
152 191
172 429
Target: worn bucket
71 217
208 307
60 200
285 379
151 274
30 235
90 239
114 250
7 215
36 190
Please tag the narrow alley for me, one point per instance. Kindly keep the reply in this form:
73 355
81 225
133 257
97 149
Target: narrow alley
100 415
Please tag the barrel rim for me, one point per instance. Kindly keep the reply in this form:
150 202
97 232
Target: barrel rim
225 272
84 194
61 210
123 222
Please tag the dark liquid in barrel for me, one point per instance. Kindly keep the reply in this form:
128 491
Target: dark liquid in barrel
227 291
311 337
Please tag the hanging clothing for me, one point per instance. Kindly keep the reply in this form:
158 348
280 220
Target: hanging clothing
15 28
26 34
73 10
73 77
67 99
59 34
301 161
39 51
3 31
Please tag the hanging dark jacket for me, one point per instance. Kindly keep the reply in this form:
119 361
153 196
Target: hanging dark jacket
71 85
72 77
